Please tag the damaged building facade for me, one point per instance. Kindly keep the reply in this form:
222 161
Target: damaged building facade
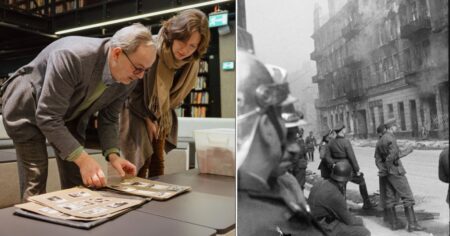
378 60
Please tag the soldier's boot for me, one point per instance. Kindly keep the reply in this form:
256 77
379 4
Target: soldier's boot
394 222
413 225
367 203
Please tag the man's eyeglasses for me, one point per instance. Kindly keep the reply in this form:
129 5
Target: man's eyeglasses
137 70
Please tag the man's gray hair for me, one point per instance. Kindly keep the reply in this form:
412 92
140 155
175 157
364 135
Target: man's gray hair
131 37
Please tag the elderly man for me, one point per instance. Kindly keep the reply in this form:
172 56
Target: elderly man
397 183
270 201
54 95
340 150
329 207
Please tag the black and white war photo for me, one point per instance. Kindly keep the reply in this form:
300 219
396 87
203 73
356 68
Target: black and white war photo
342 117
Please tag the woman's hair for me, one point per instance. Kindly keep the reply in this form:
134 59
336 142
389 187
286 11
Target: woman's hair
181 27
131 37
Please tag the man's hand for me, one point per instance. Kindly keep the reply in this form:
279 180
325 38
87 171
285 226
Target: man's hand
90 171
121 165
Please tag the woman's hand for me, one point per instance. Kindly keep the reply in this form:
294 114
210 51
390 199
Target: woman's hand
152 129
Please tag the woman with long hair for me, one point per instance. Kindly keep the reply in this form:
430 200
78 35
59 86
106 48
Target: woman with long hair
149 126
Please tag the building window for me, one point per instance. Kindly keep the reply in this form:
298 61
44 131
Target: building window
407 60
381 114
396 65
401 114
349 128
390 111
426 52
372 114
385 73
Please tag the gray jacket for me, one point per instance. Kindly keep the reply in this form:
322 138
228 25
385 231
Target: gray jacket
41 96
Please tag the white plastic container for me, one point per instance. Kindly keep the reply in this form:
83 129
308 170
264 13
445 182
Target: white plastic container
216 151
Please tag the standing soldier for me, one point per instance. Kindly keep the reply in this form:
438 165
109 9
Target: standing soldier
265 190
326 162
302 160
397 181
389 213
311 143
341 150
444 169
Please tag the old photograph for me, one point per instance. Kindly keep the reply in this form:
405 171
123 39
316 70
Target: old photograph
342 117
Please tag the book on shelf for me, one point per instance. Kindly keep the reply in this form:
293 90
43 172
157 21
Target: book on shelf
180 111
203 67
201 83
199 97
198 111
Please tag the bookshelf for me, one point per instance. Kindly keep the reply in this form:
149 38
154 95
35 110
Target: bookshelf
50 7
204 98
197 102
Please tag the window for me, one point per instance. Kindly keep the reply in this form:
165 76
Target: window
390 111
407 60
396 65
413 8
372 115
390 68
385 72
381 114
349 128
401 114
426 52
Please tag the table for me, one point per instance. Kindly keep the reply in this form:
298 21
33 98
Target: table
130 224
209 208
206 183
211 202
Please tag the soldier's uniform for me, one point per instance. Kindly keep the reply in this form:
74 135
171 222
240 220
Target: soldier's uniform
325 157
389 214
329 207
301 164
397 183
389 154
270 208
310 144
444 169
341 150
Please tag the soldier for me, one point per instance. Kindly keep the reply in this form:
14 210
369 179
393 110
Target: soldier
298 159
270 201
301 159
329 207
326 162
340 150
397 182
444 168
311 143
389 214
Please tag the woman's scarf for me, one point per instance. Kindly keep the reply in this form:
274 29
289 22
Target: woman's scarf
164 92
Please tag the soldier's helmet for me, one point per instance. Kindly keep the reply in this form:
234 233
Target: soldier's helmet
342 171
381 129
325 133
258 93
